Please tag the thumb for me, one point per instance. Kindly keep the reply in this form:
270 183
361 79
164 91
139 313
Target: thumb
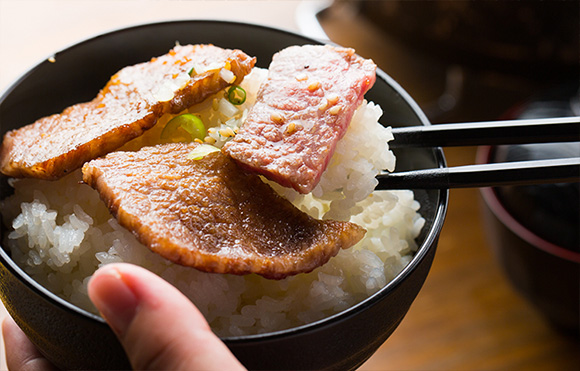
158 326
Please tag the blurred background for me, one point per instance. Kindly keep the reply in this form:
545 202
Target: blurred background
483 305
461 61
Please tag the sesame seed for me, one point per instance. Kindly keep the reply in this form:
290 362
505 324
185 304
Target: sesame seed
323 105
314 85
334 110
301 77
291 128
227 132
209 140
332 99
197 140
276 117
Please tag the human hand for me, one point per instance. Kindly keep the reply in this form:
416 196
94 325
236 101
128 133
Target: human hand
158 326
21 354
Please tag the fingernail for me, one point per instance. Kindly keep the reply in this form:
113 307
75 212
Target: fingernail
113 298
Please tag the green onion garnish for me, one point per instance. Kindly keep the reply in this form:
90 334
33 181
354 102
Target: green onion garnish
201 151
184 128
236 95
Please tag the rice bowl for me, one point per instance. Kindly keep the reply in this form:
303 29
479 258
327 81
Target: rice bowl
62 232
75 338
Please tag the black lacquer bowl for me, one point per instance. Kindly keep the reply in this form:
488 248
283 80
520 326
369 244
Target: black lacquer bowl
75 339
533 232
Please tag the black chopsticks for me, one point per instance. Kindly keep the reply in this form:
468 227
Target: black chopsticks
563 170
566 129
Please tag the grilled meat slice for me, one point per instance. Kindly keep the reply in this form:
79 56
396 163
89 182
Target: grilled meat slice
130 103
211 215
301 112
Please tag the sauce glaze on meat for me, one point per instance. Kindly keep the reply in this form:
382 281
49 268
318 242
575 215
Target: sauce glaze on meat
129 104
212 215
302 110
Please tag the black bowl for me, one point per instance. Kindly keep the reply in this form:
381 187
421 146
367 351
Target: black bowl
533 233
75 339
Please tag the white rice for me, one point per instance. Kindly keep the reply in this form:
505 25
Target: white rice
61 232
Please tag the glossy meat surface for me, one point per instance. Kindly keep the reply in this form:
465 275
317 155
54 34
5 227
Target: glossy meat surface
130 103
302 110
211 215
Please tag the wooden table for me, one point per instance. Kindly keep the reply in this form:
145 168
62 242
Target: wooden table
467 316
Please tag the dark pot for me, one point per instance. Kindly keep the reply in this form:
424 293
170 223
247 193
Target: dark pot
74 339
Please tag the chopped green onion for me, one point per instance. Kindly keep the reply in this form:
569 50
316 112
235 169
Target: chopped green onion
201 151
184 128
236 95
191 72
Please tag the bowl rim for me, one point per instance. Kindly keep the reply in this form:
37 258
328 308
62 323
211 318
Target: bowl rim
491 199
429 242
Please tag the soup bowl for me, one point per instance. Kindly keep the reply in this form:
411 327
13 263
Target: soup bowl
73 338
533 233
